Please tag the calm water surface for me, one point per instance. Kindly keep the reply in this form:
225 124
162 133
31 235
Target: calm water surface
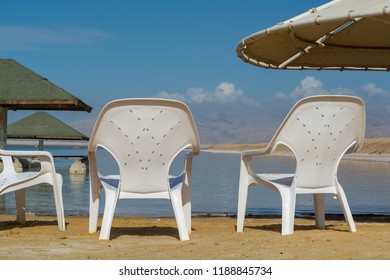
215 188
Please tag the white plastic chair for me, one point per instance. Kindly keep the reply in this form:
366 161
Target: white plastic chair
12 181
319 130
143 136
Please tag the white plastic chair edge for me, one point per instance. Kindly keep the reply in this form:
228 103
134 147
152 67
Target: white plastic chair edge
55 179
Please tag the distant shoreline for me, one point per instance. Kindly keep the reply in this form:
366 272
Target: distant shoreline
374 149
51 143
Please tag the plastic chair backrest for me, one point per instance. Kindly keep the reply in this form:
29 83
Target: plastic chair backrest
319 130
144 136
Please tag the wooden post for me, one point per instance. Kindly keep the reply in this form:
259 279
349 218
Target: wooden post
3 127
40 146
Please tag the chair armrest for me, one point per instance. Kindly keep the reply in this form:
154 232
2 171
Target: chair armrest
246 159
352 149
255 152
45 158
15 153
186 174
189 155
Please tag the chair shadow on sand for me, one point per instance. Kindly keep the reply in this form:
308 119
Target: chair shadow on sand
144 231
9 225
364 218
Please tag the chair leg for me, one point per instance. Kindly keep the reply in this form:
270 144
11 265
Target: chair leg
187 194
346 210
241 209
319 209
288 210
177 205
94 204
20 198
186 200
57 189
108 215
242 197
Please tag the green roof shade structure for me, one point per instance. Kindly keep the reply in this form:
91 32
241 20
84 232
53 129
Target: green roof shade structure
23 89
42 125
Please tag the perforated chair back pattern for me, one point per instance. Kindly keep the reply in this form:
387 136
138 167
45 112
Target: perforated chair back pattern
144 136
319 130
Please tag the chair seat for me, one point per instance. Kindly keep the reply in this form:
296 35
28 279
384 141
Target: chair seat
285 179
112 181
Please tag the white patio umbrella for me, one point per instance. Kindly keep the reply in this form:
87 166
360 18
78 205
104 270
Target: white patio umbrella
339 35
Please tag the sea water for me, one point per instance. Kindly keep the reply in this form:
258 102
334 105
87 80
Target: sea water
215 181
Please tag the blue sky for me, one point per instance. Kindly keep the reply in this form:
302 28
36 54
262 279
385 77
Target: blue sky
105 50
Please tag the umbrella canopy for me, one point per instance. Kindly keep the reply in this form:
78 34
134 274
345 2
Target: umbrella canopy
339 35
23 89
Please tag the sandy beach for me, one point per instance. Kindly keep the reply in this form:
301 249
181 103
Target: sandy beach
212 238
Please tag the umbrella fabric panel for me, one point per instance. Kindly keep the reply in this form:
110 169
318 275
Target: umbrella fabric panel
342 34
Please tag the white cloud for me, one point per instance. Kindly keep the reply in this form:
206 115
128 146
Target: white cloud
225 92
308 86
372 90
311 86
196 95
33 38
167 95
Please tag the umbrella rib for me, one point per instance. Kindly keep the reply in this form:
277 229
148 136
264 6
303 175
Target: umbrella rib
320 43
328 36
285 63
